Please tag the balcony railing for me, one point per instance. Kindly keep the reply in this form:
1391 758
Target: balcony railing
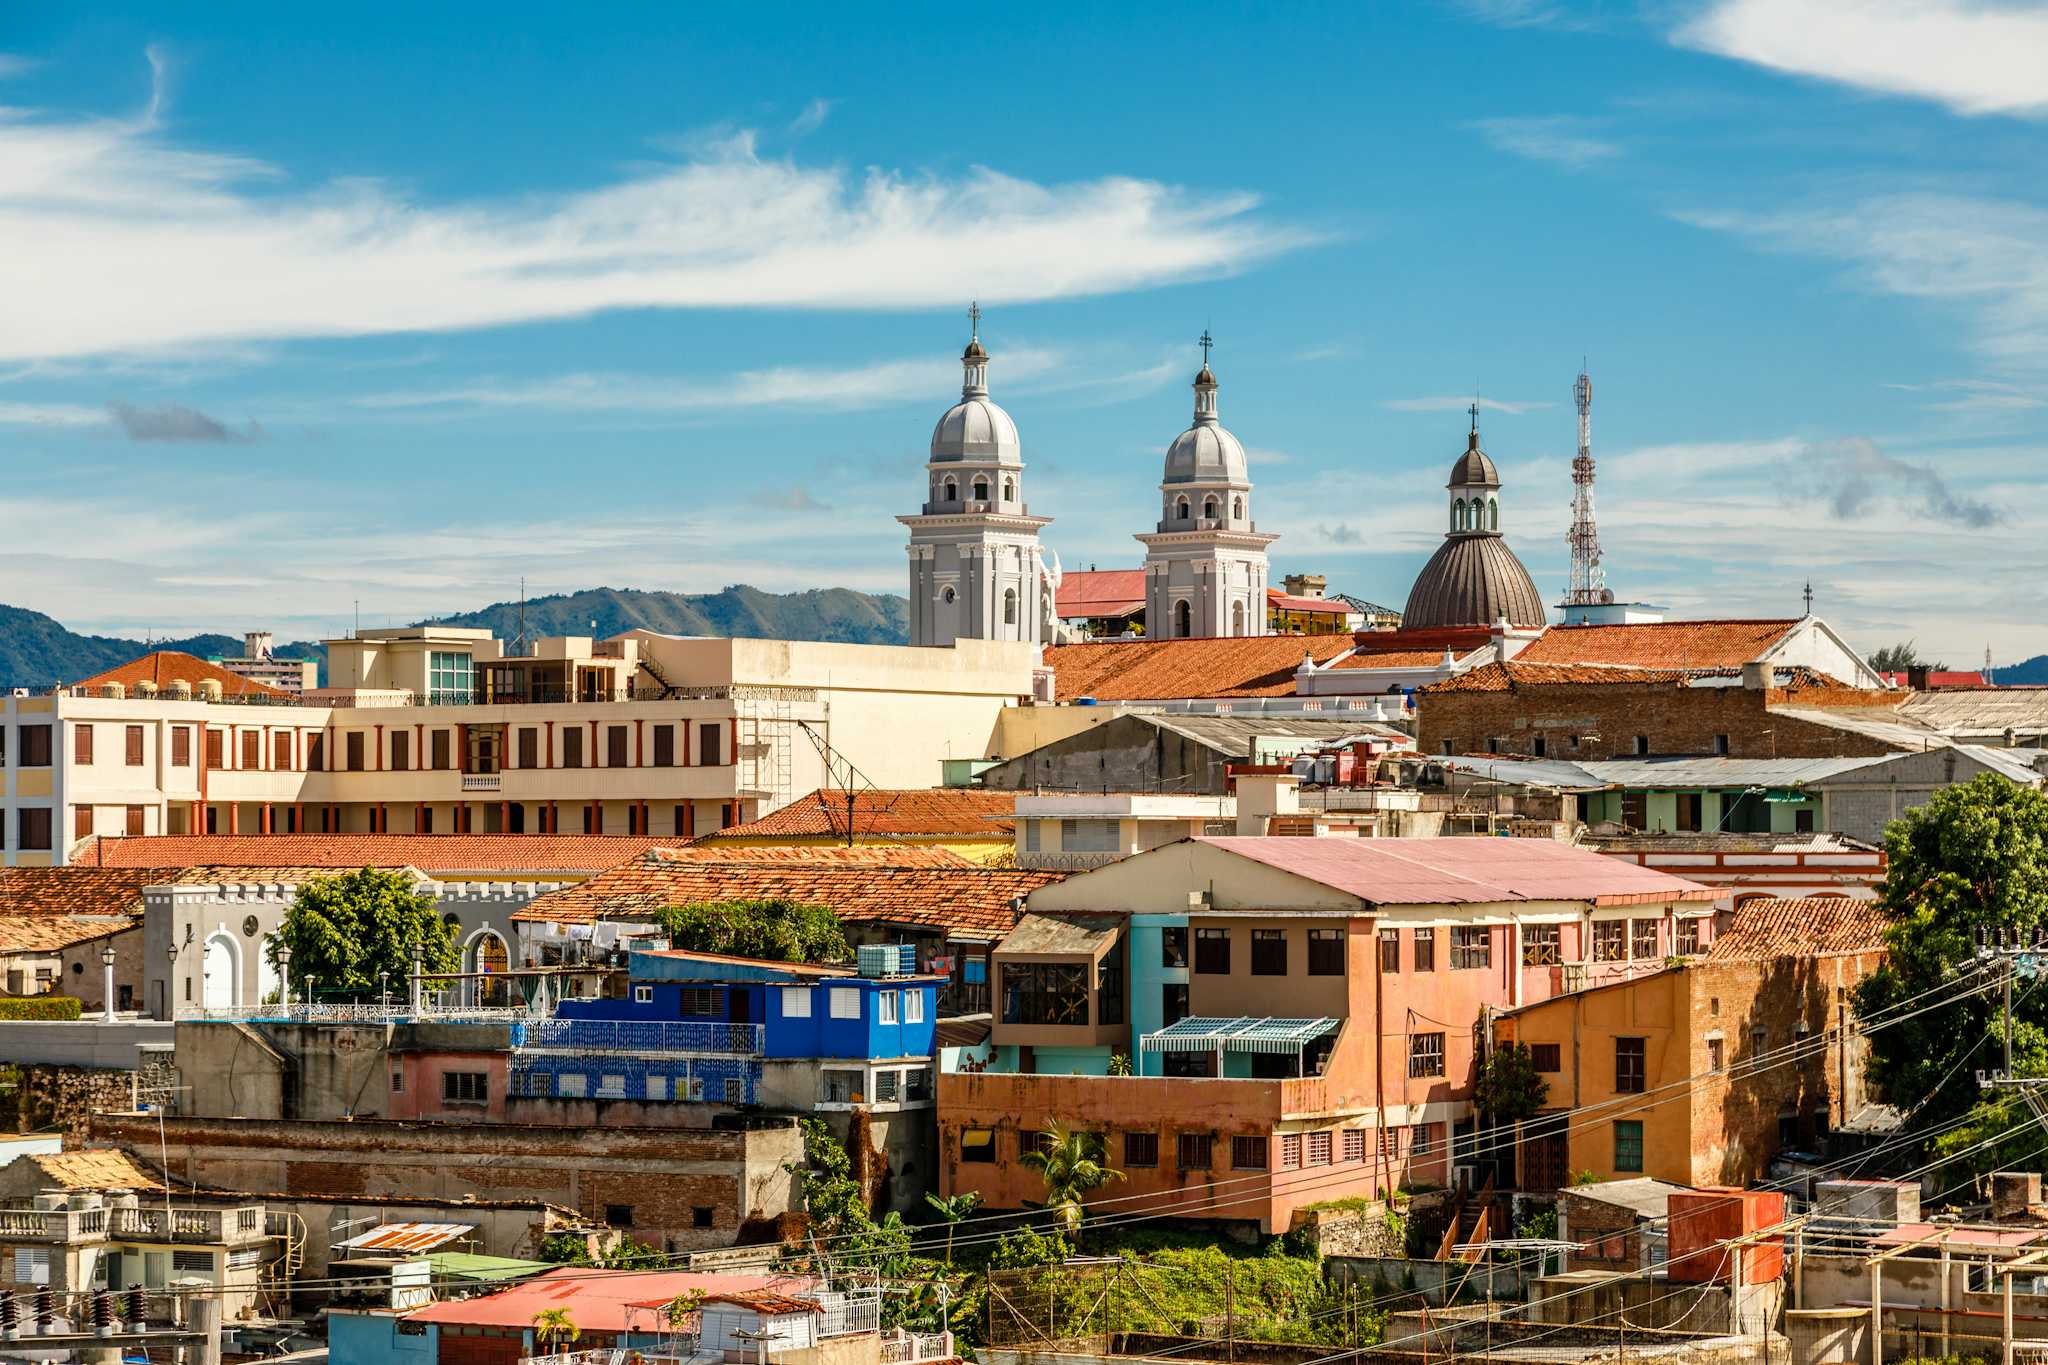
627 1035
210 1226
482 782
907 1348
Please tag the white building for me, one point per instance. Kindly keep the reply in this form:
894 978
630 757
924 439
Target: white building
1205 565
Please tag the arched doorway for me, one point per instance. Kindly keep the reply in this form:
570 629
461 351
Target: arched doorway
488 954
220 977
269 982
1183 619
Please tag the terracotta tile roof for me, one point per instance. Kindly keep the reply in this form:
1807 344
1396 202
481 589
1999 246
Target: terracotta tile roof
1411 648
55 933
1161 670
519 854
1100 592
1800 927
166 666
766 1302
61 891
96 1168
860 855
1509 677
886 815
968 902
1658 644
1464 871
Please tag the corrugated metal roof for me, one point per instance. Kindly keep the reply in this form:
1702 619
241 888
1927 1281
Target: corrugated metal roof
1076 935
1232 736
1720 772
1645 1198
1243 1034
1464 871
408 1236
1886 725
1553 773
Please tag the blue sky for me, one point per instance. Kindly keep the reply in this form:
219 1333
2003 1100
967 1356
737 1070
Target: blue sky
397 311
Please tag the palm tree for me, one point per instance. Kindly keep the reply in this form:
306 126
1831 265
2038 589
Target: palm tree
952 1210
553 1327
1072 1164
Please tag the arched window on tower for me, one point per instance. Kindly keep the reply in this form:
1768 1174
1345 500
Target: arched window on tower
952 491
980 489
1209 509
1183 619
1237 509
1493 514
1458 515
1180 509
1009 490
1009 606
1237 619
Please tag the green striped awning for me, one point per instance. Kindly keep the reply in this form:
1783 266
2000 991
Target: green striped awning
1243 1034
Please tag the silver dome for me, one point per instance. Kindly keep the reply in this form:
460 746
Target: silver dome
1206 453
975 428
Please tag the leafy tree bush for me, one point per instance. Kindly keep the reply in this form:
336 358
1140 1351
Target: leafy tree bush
1897 658
346 930
1510 1088
777 930
1072 1164
40 1007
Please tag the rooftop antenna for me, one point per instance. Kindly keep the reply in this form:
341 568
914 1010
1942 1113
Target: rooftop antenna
1987 663
1588 586
519 645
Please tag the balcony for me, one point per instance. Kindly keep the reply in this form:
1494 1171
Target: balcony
202 1226
482 782
906 1348
610 1035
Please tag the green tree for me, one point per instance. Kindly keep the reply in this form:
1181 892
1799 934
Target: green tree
344 930
1897 658
1975 857
951 1209
1510 1088
552 1328
1072 1164
778 930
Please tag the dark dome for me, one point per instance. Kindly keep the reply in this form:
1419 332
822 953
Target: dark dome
1475 466
974 351
1473 580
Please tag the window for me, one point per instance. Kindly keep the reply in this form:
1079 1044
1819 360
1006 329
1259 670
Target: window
885 1007
1141 1149
700 1216
1610 941
449 678
1642 745
1546 1057
1173 1002
615 746
133 738
1539 945
1716 1059
1628 1145
81 821
32 828
1471 947
355 751
643 995
618 1215
1688 934
1045 992
710 744
1630 1065
1193 1151
1721 744
1317 1150
913 1006
1354 1144
979 1145
281 751
1326 952
1031 835
181 746
702 1002
888 1085
442 745
252 750
796 1002
1390 950
216 750
1537 748
1088 836
81 744
1426 1055
1109 994
980 489
1688 817
1269 952
401 751
132 825
1009 606
1173 946
572 747
1424 950
845 1002
1212 952
1290 1151
467 1087
664 746
1758 1036
1642 934
1248 1152
917 1084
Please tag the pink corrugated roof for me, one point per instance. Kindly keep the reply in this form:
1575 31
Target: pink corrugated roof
596 1299
1456 871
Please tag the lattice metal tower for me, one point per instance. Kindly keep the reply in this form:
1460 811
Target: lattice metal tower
1589 581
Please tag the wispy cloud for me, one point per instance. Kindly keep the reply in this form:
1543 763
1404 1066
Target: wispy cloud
50 415
1562 139
176 422
1853 477
1459 403
812 118
792 499
1532 13
1987 257
1978 395
12 65
1972 57
114 240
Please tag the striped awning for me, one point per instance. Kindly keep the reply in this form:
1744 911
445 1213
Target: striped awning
1243 1034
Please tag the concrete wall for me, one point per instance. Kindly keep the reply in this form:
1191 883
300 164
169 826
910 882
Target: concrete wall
89 1043
1127 754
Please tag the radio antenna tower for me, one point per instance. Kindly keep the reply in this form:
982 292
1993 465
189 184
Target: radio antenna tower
1589 581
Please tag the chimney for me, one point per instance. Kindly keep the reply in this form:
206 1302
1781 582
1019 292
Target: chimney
1261 796
1916 677
1756 675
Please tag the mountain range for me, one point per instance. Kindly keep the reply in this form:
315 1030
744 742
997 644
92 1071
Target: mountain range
36 651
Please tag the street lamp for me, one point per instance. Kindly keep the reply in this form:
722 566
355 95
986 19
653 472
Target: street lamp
107 961
284 974
170 999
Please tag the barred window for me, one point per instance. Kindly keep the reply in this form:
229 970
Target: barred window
1248 1152
1319 1148
1194 1151
1471 948
1642 938
1540 946
1631 1065
1610 941
1290 1151
1426 1055
1141 1149
1688 938
1354 1144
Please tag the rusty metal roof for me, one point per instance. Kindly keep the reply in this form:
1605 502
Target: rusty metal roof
408 1237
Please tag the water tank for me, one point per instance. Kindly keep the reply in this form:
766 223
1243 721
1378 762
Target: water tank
209 689
886 959
113 691
177 689
145 688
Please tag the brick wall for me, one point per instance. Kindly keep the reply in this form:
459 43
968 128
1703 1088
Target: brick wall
1606 718
64 1097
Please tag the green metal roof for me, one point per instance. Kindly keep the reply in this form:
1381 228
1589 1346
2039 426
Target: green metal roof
1243 1034
466 1265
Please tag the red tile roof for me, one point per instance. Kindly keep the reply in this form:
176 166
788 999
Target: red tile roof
1943 679
598 1300
1512 676
55 933
964 901
879 814
1800 927
58 891
1456 871
1162 670
1411 648
166 666
860 855
525 855
1100 592
1658 644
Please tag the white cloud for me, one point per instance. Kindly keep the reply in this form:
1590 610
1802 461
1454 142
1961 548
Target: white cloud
12 65
1987 257
1557 138
114 240
51 415
1972 57
812 118
1454 403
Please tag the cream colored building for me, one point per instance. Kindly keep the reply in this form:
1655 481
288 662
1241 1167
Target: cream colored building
438 730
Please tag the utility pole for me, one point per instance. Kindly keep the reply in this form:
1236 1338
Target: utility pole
2017 953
